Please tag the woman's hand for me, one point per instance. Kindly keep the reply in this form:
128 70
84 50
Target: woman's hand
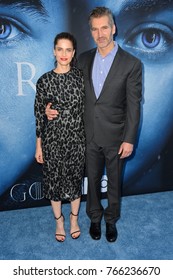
38 152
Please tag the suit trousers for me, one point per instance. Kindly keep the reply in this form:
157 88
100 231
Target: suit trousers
97 158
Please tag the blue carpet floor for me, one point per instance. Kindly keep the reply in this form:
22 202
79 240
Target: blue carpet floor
145 231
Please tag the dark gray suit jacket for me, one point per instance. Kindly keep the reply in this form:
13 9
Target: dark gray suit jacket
114 117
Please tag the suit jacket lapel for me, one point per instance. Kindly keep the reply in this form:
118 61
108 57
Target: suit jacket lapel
90 66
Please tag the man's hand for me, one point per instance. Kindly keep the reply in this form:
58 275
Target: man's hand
50 113
125 150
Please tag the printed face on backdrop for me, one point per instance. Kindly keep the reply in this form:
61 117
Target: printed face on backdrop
27 31
145 29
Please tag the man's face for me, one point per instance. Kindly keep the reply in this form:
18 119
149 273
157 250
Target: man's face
27 32
102 32
145 29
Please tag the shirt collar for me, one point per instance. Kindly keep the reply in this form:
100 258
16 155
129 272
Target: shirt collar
112 52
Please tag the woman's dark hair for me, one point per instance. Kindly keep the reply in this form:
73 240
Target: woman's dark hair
71 38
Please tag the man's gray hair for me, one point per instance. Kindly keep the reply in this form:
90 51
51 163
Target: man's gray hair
99 12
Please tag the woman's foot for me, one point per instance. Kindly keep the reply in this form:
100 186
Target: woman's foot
60 232
75 230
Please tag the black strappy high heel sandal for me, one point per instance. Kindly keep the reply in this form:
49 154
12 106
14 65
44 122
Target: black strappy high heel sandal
77 231
59 234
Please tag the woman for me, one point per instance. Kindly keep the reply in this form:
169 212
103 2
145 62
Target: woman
60 144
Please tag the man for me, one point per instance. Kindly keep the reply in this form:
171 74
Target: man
27 30
112 112
145 29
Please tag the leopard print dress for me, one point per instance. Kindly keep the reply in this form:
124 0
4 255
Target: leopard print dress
63 139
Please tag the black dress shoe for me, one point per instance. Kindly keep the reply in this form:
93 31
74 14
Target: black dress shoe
95 231
111 232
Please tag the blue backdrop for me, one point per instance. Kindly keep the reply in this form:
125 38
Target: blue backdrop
27 30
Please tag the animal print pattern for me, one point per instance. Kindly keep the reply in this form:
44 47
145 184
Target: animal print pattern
63 139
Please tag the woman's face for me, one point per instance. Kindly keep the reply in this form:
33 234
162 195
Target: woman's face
64 52
26 42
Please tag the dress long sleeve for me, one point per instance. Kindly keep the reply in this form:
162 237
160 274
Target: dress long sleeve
39 109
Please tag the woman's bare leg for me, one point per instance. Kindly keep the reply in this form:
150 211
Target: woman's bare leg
74 228
60 232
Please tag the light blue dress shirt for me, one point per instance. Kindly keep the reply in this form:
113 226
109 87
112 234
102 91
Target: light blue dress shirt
101 69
